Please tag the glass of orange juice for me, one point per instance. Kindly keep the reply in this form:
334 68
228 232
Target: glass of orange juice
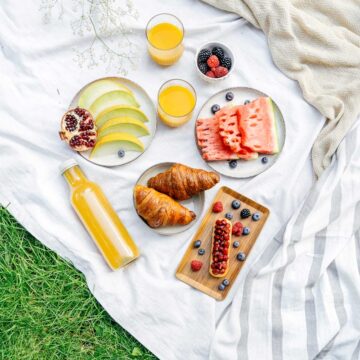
176 102
165 34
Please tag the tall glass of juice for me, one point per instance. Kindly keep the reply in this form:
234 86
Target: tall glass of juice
99 217
176 102
165 34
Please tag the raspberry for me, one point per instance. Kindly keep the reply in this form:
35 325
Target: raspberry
213 61
220 71
196 265
237 228
210 74
218 207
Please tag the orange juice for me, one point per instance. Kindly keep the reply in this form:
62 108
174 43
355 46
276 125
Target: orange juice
176 100
165 39
99 218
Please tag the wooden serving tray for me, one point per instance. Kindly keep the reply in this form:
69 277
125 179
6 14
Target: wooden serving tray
202 280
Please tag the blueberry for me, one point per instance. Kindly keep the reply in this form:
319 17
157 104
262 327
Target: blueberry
229 216
201 251
229 96
221 287
235 204
246 231
241 256
264 160
197 244
215 108
236 244
245 213
246 102
233 164
256 217
226 282
121 153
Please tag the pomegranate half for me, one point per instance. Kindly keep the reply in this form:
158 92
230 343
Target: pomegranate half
78 129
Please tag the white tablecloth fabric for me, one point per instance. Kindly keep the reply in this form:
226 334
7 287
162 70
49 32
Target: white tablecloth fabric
38 80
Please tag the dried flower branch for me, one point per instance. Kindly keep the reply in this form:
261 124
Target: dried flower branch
106 22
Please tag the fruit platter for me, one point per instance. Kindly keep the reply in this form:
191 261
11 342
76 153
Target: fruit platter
123 116
240 132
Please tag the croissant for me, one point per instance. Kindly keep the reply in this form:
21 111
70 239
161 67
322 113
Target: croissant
159 209
182 182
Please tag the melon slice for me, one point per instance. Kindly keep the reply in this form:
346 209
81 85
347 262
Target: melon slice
124 125
210 142
110 99
97 89
230 133
112 143
258 126
120 111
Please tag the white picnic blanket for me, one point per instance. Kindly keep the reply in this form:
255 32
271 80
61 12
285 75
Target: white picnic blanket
298 295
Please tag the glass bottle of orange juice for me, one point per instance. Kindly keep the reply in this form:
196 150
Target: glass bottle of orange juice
99 217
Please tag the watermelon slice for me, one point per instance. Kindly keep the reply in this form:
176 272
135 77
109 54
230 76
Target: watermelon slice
258 126
230 133
210 141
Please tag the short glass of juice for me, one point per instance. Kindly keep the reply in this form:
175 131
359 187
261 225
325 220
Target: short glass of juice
176 102
165 34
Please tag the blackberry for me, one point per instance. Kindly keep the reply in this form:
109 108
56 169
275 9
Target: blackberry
219 52
203 68
204 54
226 62
245 213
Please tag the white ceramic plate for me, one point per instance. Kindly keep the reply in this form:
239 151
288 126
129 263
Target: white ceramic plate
244 168
146 105
195 204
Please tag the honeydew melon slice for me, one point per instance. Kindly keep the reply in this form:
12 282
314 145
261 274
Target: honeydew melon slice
112 143
110 99
97 89
124 125
120 111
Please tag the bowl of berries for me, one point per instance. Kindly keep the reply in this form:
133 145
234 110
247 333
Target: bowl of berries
214 61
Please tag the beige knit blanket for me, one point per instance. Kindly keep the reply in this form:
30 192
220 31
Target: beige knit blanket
316 43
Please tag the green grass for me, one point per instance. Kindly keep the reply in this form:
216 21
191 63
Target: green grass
46 309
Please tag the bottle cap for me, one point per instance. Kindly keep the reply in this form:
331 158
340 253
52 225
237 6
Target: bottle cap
67 165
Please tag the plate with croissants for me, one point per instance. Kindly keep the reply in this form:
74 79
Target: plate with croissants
169 197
